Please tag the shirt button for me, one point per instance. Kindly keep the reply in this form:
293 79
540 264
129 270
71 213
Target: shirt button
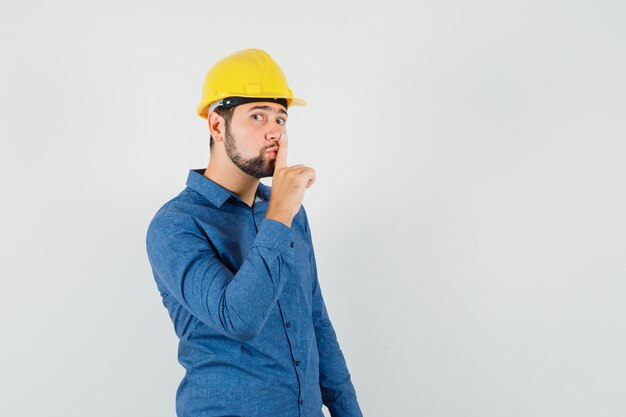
301 402
292 244
287 324
297 363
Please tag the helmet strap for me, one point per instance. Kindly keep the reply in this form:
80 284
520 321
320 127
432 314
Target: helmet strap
229 102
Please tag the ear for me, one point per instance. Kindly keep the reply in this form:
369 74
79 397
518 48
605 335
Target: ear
216 126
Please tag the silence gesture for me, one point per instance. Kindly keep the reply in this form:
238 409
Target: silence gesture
288 186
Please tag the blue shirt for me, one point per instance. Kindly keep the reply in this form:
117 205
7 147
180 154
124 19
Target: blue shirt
243 295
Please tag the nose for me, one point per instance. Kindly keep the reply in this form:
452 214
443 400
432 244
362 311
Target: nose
274 131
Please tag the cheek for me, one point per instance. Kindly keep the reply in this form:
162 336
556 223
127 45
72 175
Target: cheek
252 144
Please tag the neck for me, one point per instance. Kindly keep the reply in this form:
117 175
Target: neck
224 172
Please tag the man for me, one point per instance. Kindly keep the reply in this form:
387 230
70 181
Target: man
233 260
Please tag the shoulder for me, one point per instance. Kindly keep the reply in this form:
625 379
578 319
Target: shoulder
178 213
301 221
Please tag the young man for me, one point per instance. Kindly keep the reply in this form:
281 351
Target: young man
233 260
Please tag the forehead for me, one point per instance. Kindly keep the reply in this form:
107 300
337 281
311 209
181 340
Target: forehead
261 105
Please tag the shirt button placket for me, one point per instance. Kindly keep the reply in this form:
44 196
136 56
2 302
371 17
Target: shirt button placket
288 325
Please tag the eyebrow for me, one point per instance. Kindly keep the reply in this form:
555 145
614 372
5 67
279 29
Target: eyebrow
268 108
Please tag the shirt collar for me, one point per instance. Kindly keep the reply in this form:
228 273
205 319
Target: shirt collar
216 193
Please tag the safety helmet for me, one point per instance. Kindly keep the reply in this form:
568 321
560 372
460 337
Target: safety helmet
250 73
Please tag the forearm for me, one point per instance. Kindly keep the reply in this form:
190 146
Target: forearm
235 304
338 393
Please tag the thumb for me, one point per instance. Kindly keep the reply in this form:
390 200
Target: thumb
281 156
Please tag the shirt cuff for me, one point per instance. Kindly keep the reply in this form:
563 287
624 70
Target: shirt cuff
276 235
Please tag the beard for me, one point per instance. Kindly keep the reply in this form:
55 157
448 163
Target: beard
258 167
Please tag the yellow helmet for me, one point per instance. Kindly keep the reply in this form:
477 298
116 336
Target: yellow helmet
250 73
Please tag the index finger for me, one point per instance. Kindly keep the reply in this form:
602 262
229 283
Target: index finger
281 156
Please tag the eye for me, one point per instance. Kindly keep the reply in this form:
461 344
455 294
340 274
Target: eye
257 116
281 121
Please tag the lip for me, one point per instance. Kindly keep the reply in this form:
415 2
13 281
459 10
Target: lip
273 152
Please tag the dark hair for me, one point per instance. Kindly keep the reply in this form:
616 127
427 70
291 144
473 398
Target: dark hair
227 114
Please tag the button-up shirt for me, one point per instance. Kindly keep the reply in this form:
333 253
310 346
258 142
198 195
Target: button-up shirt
243 294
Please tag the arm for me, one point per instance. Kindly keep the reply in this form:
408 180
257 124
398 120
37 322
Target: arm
338 393
236 305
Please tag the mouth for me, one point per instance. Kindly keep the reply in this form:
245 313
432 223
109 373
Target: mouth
273 152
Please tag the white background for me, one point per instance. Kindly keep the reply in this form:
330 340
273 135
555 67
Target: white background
468 214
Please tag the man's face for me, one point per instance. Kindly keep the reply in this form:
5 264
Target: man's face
253 130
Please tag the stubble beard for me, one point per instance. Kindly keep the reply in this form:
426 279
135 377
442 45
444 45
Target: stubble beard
258 167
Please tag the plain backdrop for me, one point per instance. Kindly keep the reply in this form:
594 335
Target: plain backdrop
468 213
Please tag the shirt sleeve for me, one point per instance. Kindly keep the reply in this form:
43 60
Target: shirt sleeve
236 305
338 393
